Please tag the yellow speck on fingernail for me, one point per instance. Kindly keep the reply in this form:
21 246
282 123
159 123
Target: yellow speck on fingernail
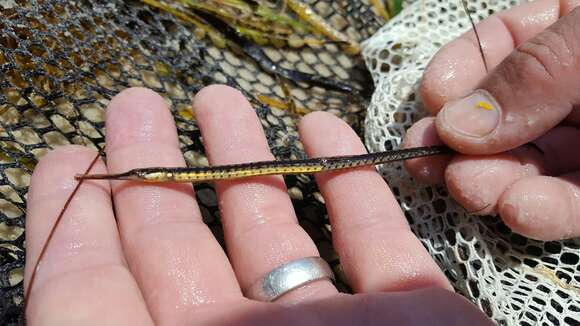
484 105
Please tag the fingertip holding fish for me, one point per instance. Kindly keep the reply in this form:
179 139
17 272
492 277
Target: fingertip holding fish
459 119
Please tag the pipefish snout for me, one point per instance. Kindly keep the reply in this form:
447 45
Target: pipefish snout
290 167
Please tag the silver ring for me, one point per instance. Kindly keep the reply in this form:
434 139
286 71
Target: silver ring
288 277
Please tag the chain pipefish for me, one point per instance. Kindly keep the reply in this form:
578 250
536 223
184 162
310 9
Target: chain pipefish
289 167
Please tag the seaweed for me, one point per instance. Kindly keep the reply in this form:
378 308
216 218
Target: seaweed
255 52
248 26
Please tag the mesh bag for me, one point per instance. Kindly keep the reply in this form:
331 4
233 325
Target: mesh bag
513 279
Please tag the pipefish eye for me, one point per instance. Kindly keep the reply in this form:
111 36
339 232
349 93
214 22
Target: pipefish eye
141 173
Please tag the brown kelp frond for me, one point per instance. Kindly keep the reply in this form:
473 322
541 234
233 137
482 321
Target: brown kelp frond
203 28
320 25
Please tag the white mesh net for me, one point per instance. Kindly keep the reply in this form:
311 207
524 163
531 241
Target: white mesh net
513 279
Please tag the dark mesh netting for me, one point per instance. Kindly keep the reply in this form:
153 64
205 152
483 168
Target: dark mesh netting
62 61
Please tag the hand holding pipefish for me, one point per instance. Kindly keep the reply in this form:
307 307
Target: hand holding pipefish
245 170
517 126
150 258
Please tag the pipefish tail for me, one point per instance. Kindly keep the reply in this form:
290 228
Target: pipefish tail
245 170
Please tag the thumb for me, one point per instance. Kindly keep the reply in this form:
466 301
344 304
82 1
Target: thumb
529 93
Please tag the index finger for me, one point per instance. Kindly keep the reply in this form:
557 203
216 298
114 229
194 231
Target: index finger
177 262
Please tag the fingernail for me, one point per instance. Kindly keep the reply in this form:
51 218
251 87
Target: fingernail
476 115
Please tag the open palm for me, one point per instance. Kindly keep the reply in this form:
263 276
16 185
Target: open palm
129 253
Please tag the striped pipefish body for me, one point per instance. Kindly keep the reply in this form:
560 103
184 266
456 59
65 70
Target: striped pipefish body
245 170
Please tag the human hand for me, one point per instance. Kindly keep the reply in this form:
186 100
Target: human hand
129 253
518 132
